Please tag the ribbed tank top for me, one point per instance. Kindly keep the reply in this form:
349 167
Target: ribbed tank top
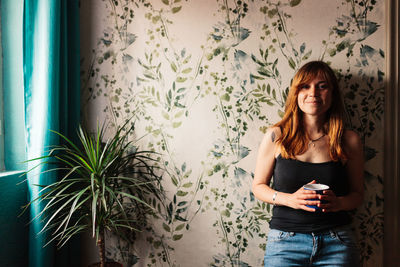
290 175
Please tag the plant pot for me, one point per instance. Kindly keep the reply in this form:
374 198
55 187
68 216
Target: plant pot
108 264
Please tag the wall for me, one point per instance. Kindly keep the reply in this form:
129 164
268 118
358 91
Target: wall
203 80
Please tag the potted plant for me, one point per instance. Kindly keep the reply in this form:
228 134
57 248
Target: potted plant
104 185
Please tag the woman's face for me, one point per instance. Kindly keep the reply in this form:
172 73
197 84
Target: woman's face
315 97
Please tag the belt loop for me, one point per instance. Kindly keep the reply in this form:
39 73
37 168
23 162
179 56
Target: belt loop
333 234
280 234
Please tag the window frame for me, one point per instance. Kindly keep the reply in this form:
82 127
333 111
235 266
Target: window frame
2 167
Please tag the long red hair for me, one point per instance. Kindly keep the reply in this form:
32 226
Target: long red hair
293 139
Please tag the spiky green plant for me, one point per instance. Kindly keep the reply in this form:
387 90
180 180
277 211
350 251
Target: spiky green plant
104 184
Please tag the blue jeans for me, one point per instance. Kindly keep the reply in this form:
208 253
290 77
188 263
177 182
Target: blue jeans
336 247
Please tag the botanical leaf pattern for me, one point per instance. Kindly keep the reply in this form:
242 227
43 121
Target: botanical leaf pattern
203 81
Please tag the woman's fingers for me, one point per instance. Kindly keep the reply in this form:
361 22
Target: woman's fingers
302 197
308 209
312 202
309 195
329 201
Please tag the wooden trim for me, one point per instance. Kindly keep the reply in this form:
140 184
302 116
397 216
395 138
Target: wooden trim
392 135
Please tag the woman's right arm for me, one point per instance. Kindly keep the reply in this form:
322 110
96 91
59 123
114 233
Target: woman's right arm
264 167
263 173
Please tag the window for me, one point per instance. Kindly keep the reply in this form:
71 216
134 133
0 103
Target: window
12 148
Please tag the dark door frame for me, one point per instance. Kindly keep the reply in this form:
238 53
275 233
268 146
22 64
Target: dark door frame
392 138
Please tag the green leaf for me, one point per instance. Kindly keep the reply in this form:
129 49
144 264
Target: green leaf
165 2
176 124
166 227
174 181
173 67
264 72
255 77
258 212
226 213
181 193
186 71
181 79
177 237
178 105
148 75
183 168
94 209
262 64
181 210
115 99
179 218
307 55
176 9
187 185
272 12
331 52
371 27
302 47
181 90
258 95
179 114
182 203
294 3
380 75
165 115
369 153
226 97
180 227
134 198
292 64
342 45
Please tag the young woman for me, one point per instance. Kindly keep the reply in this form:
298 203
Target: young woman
310 145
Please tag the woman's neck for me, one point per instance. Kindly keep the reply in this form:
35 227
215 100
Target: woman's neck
313 126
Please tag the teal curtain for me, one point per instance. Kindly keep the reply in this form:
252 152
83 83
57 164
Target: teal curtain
52 100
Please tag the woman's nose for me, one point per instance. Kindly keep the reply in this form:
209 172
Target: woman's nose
312 91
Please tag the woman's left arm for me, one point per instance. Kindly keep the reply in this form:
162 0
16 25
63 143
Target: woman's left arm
355 173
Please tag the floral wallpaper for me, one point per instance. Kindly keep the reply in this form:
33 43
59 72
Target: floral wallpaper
203 80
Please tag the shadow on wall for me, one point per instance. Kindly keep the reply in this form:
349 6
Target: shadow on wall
364 106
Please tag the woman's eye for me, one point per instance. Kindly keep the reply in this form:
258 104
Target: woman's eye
322 86
304 86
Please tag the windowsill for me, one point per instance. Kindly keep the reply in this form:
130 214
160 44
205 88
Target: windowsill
9 173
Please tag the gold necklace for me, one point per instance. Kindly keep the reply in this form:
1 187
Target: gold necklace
312 141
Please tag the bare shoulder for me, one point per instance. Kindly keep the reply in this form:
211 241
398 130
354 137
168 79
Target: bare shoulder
352 142
272 134
351 137
269 142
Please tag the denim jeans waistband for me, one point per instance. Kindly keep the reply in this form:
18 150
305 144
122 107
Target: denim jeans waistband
332 230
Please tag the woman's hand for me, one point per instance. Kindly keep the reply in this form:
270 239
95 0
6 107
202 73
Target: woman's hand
331 202
301 198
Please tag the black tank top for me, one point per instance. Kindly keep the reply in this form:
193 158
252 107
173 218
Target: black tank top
289 175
